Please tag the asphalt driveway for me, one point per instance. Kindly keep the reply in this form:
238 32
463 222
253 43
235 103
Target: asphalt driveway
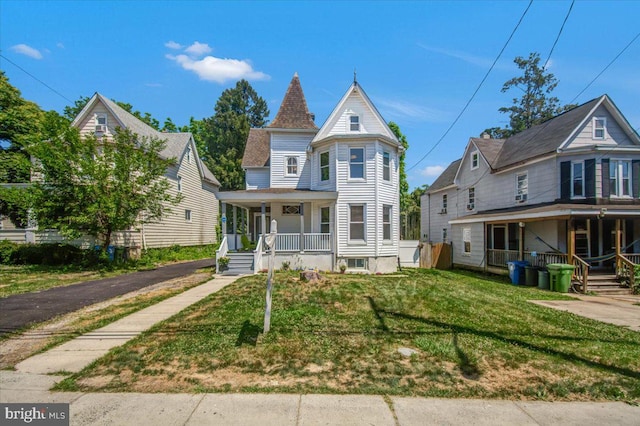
21 310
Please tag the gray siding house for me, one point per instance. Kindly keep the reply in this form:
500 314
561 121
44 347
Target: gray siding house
567 190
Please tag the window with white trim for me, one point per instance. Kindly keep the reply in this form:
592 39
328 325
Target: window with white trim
325 220
179 183
444 235
291 166
291 210
357 263
599 128
189 155
472 199
522 187
187 215
101 123
577 179
620 178
354 123
386 166
466 240
475 160
444 203
356 222
386 222
324 166
356 163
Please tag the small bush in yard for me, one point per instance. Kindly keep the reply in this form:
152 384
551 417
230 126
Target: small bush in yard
7 249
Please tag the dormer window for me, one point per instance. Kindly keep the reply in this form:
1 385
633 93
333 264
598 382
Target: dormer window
292 166
475 160
599 128
101 123
354 123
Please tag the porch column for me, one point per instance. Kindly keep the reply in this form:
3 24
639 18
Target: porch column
263 218
521 241
235 227
302 227
224 219
618 237
571 244
243 223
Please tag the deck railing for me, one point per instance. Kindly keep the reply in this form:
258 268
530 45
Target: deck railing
581 272
625 269
312 242
500 258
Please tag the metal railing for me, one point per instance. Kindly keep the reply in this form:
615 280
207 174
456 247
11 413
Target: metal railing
581 272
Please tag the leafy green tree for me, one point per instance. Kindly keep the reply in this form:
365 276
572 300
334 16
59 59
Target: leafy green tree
197 129
237 110
535 105
88 187
169 126
404 185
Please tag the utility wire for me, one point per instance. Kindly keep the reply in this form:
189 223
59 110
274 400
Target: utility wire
605 68
558 37
36 78
476 91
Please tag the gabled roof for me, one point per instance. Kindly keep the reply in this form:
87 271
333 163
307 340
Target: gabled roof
446 178
355 90
176 142
293 112
257 149
489 148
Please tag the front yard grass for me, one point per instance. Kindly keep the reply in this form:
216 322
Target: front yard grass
473 336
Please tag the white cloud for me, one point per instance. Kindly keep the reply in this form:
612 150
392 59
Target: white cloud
407 110
60 45
23 49
432 171
219 70
173 45
198 49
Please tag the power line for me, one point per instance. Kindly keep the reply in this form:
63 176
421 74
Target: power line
36 78
605 68
559 33
476 91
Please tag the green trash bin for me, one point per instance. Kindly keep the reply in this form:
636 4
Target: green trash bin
543 279
531 275
560 276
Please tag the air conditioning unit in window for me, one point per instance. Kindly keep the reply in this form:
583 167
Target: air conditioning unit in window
521 198
471 206
443 211
101 128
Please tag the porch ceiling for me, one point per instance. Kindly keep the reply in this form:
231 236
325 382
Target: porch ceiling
553 211
254 198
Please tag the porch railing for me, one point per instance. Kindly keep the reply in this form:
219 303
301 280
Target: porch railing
317 242
257 255
581 272
500 258
221 252
625 268
312 242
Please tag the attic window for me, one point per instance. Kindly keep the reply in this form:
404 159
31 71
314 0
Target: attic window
354 123
189 155
101 123
475 159
599 125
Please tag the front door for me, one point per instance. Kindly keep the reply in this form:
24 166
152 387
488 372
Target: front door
499 237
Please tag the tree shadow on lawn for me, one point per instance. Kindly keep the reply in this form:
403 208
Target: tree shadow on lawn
468 368
248 334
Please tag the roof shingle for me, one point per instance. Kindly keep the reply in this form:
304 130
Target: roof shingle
293 112
447 177
257 149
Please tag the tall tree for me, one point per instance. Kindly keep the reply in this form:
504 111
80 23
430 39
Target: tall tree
88 187
237 110
404 185
536 104
197 129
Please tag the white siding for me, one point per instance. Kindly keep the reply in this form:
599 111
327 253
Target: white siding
285 145
355 105
316 183
434 221
257 178
388 194
476 258
88 125
614 134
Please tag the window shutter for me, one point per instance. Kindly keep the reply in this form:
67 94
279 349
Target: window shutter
635 174
590 178
565 180
606 190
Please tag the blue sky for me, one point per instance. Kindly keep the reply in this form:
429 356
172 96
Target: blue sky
418 61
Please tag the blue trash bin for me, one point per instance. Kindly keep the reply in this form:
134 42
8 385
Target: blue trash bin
516 271
111 252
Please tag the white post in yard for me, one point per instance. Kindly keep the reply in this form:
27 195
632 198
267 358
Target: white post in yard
271 243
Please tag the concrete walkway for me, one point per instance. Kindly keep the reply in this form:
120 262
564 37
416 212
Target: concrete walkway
294 409
621 311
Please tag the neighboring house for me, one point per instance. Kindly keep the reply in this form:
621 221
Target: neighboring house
566 187
191 222
333 191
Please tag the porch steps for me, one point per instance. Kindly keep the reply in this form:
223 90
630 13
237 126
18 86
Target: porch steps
606 284
239 263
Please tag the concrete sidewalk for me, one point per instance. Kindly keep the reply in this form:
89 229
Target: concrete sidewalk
293 409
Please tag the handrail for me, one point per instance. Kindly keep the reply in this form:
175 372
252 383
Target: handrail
581 272
221 252
625 269
257 255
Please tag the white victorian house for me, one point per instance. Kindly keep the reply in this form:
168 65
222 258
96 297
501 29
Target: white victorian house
333 191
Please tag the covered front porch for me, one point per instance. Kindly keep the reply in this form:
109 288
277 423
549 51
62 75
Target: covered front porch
305 221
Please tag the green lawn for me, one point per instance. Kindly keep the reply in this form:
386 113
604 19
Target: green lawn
474 336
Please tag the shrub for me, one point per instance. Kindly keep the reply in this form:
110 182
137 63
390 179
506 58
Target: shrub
7 250
285 266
